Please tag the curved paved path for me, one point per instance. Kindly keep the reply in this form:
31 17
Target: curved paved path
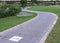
35 30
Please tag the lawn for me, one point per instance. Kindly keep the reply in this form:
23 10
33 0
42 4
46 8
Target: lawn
8 22
54 36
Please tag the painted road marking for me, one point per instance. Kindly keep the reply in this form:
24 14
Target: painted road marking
16 38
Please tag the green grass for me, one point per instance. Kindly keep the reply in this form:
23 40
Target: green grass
8 22
54 36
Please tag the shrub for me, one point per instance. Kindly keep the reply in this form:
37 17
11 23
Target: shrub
9 10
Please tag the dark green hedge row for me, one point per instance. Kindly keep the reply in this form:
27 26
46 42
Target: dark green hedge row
9 10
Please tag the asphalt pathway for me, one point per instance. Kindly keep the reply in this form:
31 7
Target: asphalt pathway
35 30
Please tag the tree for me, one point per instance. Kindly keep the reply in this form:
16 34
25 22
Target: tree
23 3
34 2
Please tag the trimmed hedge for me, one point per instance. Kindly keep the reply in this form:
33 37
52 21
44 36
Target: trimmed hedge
9 10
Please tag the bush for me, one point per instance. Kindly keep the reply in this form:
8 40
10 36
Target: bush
9 10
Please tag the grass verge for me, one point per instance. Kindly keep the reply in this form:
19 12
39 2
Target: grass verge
54 36
8 22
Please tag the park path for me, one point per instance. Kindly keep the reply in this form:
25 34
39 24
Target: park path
35 30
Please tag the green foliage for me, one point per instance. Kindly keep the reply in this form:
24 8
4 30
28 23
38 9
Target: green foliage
8 22
23 3
34 1
9 10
